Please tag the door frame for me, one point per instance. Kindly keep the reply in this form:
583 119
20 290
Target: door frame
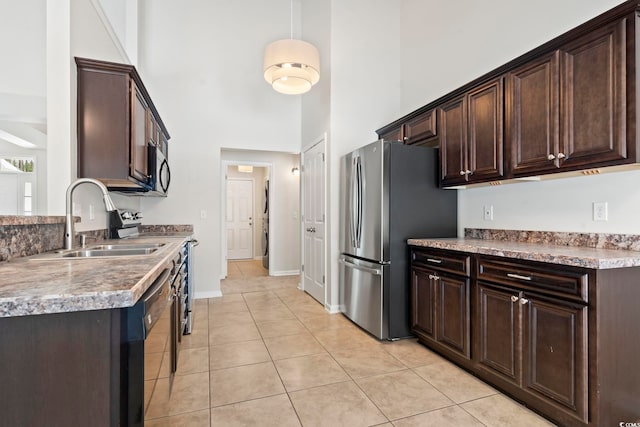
320 140
223 207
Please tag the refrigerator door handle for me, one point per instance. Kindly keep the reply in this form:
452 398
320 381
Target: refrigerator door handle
374 271
352 203
360 202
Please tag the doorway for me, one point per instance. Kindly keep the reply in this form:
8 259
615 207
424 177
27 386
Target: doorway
244 218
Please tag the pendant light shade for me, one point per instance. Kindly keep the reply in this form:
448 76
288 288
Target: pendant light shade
291 66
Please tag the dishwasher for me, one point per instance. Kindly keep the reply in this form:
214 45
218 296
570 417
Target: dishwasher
147 352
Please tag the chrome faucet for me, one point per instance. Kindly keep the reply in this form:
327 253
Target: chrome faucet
68 226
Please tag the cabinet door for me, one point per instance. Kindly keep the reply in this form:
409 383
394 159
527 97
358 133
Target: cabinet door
422 303
453 141
138 166
452 310
497 332
555 352
532 127
420 128
593 97
396 134
485 134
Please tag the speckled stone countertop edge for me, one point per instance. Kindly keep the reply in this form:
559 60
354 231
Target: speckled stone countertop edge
110 293
592 258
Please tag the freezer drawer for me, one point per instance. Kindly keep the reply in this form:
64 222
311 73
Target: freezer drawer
361 294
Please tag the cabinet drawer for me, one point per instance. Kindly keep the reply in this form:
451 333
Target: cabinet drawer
444 261
563 281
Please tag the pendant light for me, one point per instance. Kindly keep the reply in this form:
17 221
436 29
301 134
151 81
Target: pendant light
291 66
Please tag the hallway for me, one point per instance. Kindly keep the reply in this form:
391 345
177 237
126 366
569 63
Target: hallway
267 354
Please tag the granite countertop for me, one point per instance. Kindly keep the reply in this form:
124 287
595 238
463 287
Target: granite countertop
37 285
556 254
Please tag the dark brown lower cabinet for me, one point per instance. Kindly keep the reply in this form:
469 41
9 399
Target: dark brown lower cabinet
440 311
554 349
534 343
563 340
60 369
452 309
497 335
422 303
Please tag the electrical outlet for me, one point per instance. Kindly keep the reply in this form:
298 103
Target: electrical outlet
203 214
76 209
488 212
92 213
600 211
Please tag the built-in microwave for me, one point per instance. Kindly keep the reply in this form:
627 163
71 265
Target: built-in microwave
160 172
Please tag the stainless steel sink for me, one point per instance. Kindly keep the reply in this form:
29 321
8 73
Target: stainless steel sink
90 253
127 246
100 251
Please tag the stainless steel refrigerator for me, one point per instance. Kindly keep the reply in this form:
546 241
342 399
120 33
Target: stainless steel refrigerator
390 193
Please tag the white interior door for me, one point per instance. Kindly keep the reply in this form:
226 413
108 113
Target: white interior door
239 218
313 188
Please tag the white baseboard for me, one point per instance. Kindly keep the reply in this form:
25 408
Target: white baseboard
208 294
284 273
332 309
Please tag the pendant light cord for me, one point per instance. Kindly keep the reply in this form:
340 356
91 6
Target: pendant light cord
291 16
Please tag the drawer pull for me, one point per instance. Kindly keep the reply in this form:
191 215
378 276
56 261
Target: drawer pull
523 301
435 261
514 298
517 276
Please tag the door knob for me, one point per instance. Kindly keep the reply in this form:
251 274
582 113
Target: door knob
514 298
551 157
561 155
523 301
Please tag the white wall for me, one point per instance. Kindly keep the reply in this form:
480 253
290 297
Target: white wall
364 94
202 65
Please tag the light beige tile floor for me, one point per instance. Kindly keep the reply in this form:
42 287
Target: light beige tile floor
267 354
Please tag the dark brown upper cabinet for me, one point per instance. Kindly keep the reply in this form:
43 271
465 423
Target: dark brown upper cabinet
117 122
471 132
395 134
567 105
567 109
593 91
419 130
532 125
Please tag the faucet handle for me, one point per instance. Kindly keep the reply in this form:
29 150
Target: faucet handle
83 240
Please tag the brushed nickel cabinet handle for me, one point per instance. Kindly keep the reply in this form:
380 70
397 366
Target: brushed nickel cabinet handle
518 276
434 260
